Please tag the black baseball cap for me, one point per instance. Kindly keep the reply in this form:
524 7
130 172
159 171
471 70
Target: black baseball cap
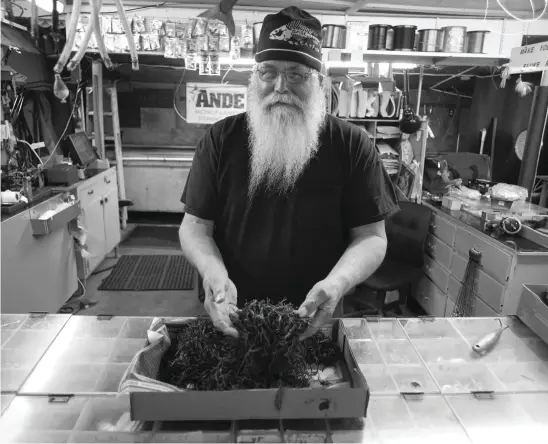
291 35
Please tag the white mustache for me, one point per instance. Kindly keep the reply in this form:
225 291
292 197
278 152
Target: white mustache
277 98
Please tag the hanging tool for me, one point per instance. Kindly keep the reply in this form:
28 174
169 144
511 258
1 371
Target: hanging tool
223 12
466 300
94 27
410 122
482 143
486 344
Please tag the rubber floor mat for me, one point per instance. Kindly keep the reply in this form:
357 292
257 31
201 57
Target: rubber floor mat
149 273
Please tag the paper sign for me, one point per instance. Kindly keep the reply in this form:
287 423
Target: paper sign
211 102
530 58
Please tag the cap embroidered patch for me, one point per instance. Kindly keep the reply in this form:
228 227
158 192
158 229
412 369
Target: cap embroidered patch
297 34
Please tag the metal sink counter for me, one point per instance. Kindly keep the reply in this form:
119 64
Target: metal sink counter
427 386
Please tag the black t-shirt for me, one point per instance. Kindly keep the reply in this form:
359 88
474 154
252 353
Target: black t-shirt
280 246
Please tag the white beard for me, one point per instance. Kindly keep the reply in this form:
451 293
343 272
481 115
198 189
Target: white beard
282 138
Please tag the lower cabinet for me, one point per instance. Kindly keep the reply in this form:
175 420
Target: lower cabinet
100 219
430 297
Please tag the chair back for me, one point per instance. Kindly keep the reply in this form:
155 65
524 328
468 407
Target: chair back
406 233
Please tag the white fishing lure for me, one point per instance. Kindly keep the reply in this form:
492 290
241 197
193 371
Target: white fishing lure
486 343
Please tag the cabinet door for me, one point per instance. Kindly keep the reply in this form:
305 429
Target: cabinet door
92 219
430 297
111 219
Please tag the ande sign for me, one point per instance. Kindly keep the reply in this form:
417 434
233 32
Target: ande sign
210 102
530 58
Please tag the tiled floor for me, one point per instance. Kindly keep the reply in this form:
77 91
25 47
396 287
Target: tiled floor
141 303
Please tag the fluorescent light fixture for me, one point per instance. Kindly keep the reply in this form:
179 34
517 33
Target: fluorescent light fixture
404 66
47 5
239 62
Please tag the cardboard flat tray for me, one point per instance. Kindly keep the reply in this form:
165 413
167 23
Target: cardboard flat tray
286 403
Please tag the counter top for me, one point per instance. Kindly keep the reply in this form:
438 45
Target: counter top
516 243
426 383
48 192
44 194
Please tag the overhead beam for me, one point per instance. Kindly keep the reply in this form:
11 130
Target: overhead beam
356 7
370 9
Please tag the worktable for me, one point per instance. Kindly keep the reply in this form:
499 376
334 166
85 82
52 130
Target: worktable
426 384
507 263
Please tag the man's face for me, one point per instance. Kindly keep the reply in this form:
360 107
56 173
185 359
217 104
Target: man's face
286 112
278 78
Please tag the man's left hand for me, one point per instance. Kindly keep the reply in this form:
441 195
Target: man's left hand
320 303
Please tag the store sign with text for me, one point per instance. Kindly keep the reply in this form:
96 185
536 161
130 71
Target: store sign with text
211 102
530 58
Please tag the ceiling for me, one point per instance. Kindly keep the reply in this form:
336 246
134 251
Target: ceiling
438 8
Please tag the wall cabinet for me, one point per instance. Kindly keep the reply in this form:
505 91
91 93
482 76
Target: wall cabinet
100 218
503 269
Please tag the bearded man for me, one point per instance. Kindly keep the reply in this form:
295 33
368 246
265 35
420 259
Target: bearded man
285 201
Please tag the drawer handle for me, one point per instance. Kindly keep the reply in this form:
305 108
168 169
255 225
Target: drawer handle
106 199
431 247
90 192
433 226
107 180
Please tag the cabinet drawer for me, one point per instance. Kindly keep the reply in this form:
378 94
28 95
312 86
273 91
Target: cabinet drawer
436 272
488 289
494 261
442 229
438 250
96 186
481 309
430 297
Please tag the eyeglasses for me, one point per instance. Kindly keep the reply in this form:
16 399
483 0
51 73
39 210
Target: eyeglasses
270 75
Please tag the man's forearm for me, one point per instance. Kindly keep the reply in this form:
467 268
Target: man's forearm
200 249
360 260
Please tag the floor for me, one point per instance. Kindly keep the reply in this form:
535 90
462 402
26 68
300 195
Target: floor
143 239
147 236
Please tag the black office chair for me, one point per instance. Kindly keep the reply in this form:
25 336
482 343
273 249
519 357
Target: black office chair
406 233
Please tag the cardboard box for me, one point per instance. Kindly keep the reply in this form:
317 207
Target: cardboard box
286 403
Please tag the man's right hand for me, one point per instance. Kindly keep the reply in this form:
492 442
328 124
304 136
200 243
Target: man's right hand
221 302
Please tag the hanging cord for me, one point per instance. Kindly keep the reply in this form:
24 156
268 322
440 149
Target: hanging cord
175 95
76 101
534 19
466 300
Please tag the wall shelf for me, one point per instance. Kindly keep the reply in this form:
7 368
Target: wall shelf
420 58
358 120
